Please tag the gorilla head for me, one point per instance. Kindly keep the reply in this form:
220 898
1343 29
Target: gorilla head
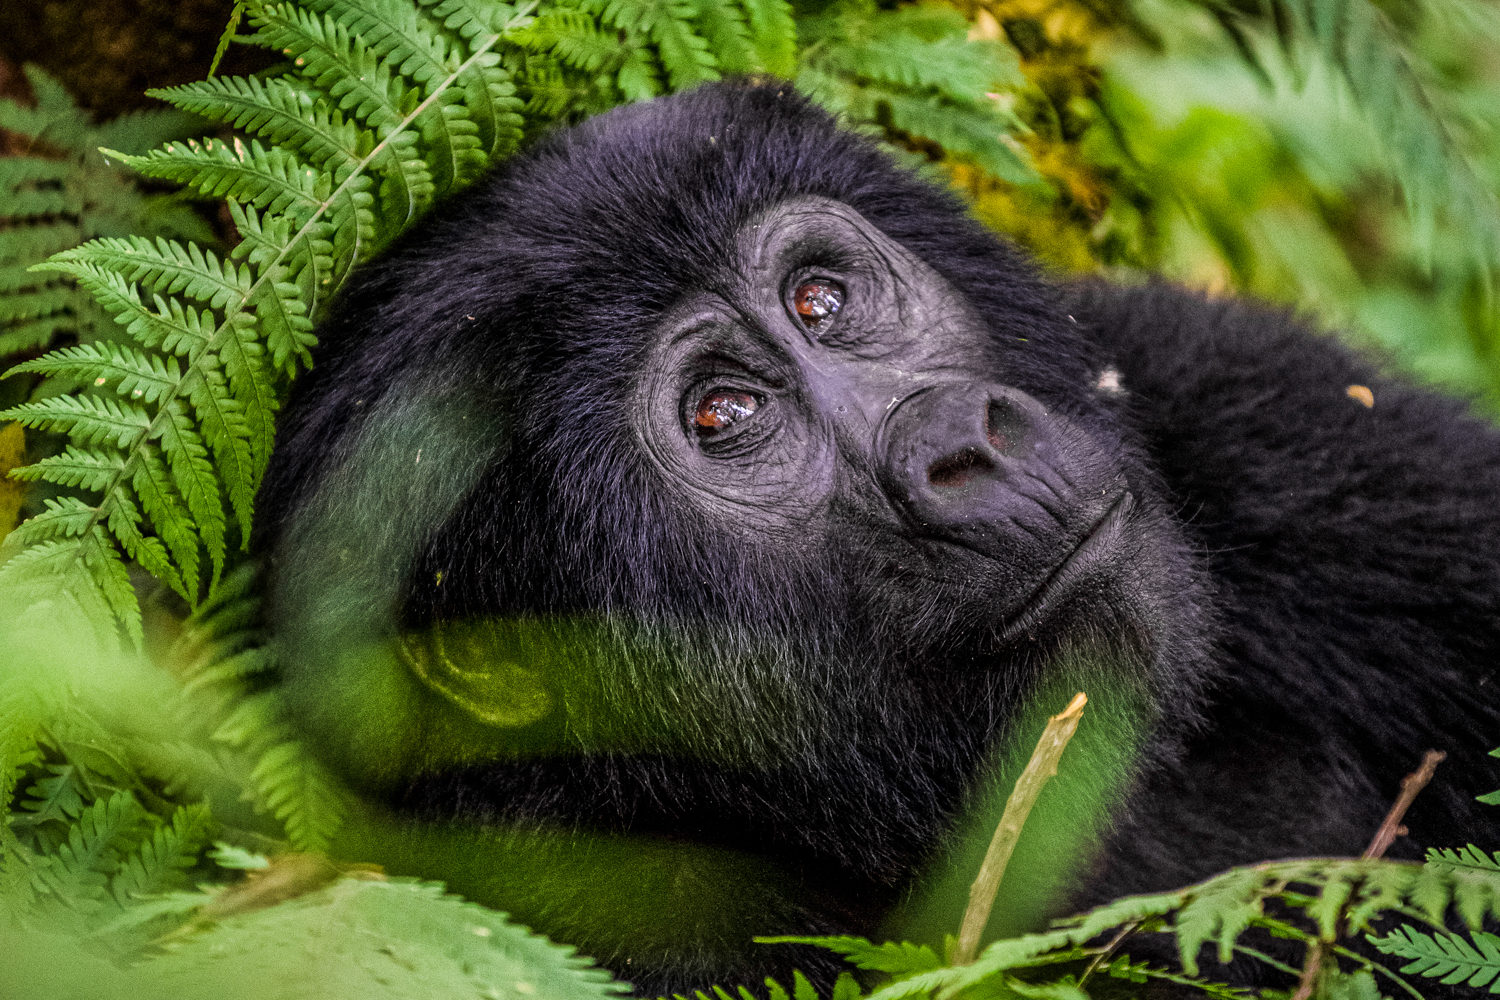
705 480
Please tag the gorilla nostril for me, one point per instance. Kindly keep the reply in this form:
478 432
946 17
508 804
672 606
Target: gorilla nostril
1004 426
959 468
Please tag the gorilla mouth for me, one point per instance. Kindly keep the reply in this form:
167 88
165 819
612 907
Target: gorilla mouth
1094 548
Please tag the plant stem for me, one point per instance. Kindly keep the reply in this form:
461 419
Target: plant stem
1410 786
1042 766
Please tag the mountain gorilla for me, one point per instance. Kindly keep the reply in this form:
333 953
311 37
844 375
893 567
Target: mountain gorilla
679 525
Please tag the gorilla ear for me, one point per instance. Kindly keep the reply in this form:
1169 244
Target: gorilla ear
467 663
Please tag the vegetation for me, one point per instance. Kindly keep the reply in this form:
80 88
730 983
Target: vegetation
1338 154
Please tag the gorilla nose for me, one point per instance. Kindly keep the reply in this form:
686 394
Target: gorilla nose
987 466
1003 430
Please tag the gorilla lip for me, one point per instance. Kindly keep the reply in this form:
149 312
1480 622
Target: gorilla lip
1096 542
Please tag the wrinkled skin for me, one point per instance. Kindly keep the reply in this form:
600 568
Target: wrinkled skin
681 531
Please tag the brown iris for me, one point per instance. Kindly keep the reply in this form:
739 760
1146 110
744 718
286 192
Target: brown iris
816 302
721 409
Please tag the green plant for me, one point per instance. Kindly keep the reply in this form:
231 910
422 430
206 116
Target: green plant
62 192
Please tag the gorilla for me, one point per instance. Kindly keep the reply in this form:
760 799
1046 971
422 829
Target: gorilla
682 525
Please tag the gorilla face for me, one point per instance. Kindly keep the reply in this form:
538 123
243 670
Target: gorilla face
830 389
704 477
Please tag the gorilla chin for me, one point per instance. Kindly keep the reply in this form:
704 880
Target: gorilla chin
685 531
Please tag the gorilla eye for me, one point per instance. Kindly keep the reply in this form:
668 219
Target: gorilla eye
816 302
722 409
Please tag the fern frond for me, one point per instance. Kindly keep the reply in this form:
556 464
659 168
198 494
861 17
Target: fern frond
361 85
193 475
84 862
669 25
1436 173
294 786
87 419
962 131
63 517
723 27
395 33
773 33
488 88
1446 955
1468 858
289 117
53 799
272 179
163 503
145 377
158 865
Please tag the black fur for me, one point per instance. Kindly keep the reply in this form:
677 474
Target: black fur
774 713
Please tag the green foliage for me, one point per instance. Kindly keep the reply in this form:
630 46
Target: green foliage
1447 955
1373 56
117 778
62 192
1318 901
914 70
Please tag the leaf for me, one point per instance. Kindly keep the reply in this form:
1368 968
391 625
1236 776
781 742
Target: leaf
373 938
892 958
1218 911
1446 955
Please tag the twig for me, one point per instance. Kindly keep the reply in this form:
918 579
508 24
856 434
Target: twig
1388 832
1410 786
1041 767
1310 970
1107 950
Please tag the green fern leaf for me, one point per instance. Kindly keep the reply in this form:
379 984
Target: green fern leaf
63 517
667 23
144 377
124 521
638 79
58 798
91 853
359 84
960 130
193 475
289 117
164 505
33 243
296 272
721 23
159 864
42 301
1468 858
173 328
575 37
163 266
954 67
773 33
890 957
273 180
88 468
1435 171
1446 955
1218 911
221 420
395 33
88 419
88 571
301 794
489 91
297 789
